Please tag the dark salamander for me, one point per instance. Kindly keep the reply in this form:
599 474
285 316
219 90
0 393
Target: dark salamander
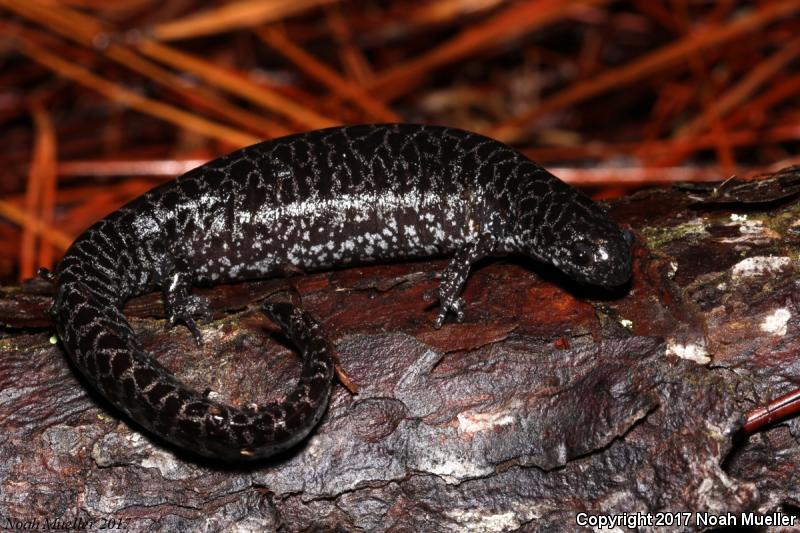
310 201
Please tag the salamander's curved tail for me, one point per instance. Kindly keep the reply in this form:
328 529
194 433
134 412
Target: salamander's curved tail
103 346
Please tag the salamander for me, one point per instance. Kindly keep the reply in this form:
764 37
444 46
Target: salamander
308 201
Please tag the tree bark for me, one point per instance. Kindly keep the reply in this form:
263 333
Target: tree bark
549 400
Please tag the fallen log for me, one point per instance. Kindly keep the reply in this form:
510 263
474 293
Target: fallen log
550 404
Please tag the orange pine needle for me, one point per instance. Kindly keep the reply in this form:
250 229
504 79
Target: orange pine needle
326 75
128 98
243 14
647 65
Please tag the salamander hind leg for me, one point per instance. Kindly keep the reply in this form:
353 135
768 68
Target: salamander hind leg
455 276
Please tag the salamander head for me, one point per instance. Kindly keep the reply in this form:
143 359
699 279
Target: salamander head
579 239
598 253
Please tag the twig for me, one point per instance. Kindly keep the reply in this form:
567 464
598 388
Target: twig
778 409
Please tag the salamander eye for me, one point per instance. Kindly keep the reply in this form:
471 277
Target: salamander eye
583 254
630 238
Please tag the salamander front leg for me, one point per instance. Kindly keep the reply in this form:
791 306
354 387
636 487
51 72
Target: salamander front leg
455 276
179 302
